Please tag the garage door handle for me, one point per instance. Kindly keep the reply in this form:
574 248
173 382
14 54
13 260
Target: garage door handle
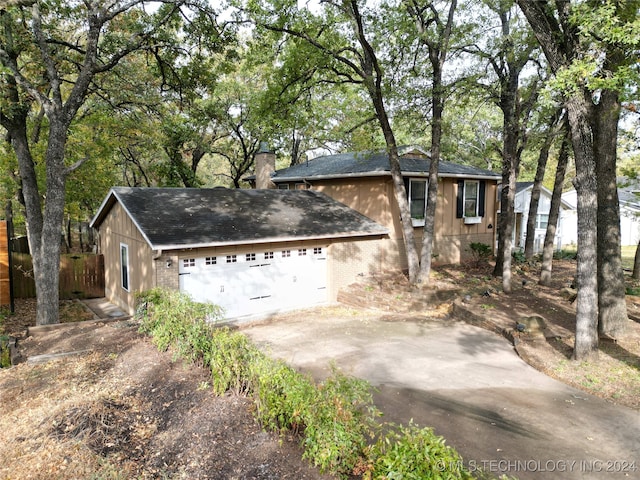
184 273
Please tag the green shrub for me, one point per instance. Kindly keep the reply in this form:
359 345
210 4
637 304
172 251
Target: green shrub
230 357
481 252
5 352
565 254
175 321
339 423
518 256
635 291
413 453
280 395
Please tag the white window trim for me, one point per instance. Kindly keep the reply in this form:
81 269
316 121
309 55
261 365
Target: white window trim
418 222
475 218
125 273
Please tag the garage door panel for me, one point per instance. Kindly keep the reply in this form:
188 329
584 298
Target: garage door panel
257 282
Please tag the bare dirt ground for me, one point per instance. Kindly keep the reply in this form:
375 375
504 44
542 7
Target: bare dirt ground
125 410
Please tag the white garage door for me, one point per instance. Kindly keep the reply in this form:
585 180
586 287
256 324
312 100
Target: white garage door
257 282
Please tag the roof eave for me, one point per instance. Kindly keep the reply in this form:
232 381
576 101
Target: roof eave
384 174
382 233
107 204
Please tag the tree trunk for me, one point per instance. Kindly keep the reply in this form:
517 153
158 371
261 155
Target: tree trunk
612 306
559 41
509 220
68 243
556 200
636 264
586 342
510 161
437 98
543 156
372 77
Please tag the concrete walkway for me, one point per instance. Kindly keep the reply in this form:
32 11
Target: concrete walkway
501 414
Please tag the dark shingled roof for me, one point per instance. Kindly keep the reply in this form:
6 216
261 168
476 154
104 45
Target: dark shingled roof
520 186
374 163
172 218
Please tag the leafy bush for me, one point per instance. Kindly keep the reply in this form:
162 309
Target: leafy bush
230 356
481 252
565 254
414 453
175 321
518 256
633 291
5 352
280 395
339 423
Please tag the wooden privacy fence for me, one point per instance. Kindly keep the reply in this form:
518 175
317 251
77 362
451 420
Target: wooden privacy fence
81 276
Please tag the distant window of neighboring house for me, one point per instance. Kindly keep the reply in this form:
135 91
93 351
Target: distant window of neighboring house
124 265
301 186
283 186
417 195
541 221
470 200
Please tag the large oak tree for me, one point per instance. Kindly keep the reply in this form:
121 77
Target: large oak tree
588 47
52 54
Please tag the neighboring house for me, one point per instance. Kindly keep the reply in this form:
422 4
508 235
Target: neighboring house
250 251
466 206
564 231
629 200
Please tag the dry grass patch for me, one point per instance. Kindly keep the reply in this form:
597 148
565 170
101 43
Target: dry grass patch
37 401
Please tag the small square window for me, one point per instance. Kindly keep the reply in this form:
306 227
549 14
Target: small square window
286 253
232 259
211 260
188 262
302 252
268 255
317 251
250 257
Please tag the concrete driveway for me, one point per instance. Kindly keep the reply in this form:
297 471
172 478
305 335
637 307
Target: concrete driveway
469 385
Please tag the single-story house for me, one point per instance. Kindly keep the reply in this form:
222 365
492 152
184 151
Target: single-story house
250 251
465 212
629 200
564 231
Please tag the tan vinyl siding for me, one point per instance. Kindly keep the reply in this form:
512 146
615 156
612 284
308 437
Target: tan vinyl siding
118 229
374 197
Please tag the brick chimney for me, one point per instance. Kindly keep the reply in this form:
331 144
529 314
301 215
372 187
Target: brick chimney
265 166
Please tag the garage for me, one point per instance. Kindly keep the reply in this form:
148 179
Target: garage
252 252
257 282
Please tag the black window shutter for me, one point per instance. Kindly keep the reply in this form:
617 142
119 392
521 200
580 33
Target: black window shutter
460 200
406 185
483 184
